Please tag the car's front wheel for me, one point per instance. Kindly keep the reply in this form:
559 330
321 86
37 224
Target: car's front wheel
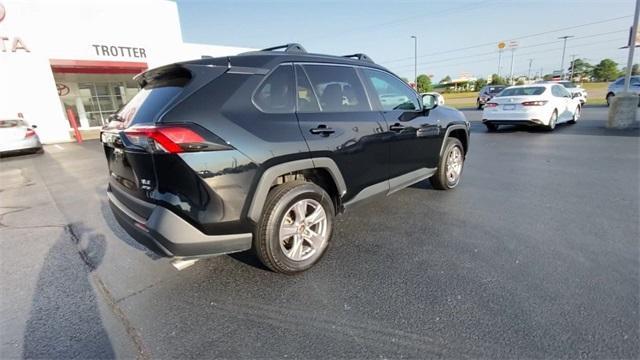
450 167
295 227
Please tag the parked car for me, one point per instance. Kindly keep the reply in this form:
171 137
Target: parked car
487 93
575 90
17 136
263 149
439 99
535 105
618 86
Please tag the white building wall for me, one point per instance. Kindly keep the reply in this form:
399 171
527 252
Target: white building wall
68 30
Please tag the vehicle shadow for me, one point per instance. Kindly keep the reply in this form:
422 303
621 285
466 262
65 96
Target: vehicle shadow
65 320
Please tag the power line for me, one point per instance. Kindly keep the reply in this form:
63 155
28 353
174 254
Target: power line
515 38
523 54
521 47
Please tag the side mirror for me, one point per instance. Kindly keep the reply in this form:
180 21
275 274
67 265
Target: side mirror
429 101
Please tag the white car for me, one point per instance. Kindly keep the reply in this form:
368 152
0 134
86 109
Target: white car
535 105
576 90
17 136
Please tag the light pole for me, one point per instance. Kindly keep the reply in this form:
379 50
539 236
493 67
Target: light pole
564 48
415 59
571 67
529 73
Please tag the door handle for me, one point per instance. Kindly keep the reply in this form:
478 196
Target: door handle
322 130
396 127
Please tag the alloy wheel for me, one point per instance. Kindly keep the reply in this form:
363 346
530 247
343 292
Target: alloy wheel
303 230
454 165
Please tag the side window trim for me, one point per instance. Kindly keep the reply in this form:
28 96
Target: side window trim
313 90
265 78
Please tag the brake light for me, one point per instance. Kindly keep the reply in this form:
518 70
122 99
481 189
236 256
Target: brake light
490 105
29 133
170 139
534 103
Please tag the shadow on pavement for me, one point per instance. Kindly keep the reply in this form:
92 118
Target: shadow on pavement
65 321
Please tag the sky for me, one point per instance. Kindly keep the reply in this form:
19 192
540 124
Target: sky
455 37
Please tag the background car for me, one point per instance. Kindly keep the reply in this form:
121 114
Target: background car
574 89
16 136
618 85
487 93
535 105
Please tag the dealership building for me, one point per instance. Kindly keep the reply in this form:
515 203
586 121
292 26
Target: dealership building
76 59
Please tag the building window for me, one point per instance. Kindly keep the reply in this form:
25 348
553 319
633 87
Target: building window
100 100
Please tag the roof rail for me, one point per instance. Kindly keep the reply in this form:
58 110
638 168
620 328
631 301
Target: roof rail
291 47
359 56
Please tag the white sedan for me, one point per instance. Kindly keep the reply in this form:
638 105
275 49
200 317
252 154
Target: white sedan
536 105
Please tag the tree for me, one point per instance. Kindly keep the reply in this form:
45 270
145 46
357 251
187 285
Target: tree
498 80
424 83
580 68
445 79
606 70
480 83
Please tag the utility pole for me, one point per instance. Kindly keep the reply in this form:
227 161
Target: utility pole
632 47
415 59
529 73
513 51
501 46
564 48
571 71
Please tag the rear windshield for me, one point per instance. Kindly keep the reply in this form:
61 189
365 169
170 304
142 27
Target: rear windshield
156 94
494 89
11 123
522 91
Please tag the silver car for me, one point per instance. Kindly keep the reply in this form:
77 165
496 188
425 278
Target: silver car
618 85
16 135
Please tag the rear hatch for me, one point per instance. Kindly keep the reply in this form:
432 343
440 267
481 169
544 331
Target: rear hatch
134 138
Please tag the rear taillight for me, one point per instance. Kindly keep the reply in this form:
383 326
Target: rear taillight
534 103
490 105
29 133
171 139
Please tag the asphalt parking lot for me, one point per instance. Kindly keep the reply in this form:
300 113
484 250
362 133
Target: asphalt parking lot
535 255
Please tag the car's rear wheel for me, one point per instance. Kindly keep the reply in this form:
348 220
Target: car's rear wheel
552 121
576 115
491 127
295 227
610 98
450 167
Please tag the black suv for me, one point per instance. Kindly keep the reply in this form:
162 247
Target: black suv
261 150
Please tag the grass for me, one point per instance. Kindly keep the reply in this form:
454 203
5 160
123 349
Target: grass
597 92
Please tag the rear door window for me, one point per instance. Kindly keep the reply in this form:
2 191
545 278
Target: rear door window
276 95
338 88
305 95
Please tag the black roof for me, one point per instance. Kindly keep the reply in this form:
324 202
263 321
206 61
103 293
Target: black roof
270 57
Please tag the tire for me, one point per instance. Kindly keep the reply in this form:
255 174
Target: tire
478 105
279 255
491 127
576 115
552 121
609 97
441 179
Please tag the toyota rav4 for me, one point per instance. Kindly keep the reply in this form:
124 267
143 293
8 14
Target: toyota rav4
263 149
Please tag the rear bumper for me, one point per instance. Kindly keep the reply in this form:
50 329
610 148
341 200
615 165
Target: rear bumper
531 122
30 143
167 234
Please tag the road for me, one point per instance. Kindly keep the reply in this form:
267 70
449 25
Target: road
535 255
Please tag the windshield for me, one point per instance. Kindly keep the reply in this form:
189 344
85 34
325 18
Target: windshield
522 91
567 84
